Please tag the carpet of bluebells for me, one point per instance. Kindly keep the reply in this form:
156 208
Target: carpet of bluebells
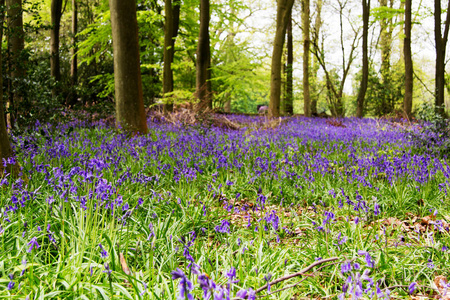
343 209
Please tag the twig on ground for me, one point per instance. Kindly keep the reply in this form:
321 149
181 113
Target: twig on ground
302 272
298 282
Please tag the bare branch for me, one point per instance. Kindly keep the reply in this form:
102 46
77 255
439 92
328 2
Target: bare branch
301 273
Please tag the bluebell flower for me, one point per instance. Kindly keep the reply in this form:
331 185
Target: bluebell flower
33 244
412 287
224 227
246 294
430 264
185 285
346 267
103 252
267 278
11 283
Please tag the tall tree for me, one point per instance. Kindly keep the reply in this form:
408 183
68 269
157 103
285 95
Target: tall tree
407 100
56 12
289 99
306 62
441 46
5 146
365 60
130 113
314 88
334 82
16 57
74 63
284 8
203 82
386 40
171 25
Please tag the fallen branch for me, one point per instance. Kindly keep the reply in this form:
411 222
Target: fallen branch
298 282
301 273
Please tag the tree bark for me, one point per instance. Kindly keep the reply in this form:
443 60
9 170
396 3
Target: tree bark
314 89
365 60
441 46
407 101
130 113
402 29
171 25
74 63
306 49
56 11
385 42
5 147
289 102
17 60
284 8
203 83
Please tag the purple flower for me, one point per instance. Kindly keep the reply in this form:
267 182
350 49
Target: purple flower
346 267
412 287
207 285
224 227
430 264
369 260
107 269
33 244
11 285
103 252
185 285
231 273
267 278
376 209
246 294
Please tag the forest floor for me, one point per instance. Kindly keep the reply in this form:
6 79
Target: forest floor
309 208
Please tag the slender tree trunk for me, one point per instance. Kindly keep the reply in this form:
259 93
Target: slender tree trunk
17 60
402 29
284 8
130 113
316 64
204 57
172 18
365 60
407 101
5 146
289 102
306 49
385 42
56 11
74 63
441 44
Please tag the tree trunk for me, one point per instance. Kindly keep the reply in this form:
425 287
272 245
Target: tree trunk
441 43
203 83
385 42
407 101
74 62
365 60
5 146
306 46
56 11
402 29
17 60
289 102
284 8
172 19
316 63
130 113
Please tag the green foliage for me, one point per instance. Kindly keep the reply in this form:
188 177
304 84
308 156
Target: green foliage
239 79
383 97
